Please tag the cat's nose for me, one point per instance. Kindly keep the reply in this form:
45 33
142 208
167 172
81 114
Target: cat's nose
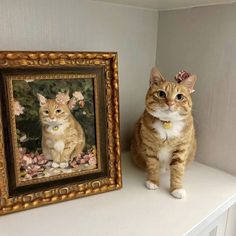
170 103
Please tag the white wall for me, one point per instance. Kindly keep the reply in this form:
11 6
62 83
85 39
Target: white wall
203 41
88 26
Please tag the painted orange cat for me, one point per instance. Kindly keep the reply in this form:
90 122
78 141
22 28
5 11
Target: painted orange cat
62 135
164 135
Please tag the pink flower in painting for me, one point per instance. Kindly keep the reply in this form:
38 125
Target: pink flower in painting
72 103
41 159
78 158
86 158
35 160
35 168
78 95
27 160
81 103
62 98
82 161
74 164
22 150
92 160
18 109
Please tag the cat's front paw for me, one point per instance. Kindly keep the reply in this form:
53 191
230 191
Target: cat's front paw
63 165
179 193
150 185
55 165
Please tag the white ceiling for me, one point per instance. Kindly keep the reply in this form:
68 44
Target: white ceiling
168 4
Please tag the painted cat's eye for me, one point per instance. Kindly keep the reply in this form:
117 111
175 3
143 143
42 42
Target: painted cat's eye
46 112
179 97
161 94
58 111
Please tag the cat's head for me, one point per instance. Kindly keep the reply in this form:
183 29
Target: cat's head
51 112
169 100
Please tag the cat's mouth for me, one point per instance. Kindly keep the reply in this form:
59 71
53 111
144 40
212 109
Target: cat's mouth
161 113
169 110
166 114
53 123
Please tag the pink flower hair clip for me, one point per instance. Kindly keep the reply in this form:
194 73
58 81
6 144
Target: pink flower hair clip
182 76
64 98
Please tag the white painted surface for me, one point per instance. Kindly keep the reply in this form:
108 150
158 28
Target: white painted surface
231 222
88 26
203 41
167 4
133 210
216 228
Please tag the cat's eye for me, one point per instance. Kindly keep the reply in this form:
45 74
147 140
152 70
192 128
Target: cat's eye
46 112
58 110
161 94
179 97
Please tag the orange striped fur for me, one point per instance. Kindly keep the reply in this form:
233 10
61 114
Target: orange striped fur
62 136
155 148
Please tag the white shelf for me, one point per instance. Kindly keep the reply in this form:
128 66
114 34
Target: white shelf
133 210
168 4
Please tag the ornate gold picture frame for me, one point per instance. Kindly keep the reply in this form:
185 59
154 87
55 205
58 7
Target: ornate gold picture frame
59 127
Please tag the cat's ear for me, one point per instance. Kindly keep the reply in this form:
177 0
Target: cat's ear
42 99
156 77
189 82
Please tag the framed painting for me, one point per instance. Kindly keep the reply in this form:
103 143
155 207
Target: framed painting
59 127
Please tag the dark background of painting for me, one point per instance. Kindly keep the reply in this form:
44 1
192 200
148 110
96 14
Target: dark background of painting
28 123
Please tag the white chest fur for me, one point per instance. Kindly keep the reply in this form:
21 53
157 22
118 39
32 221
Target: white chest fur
57 145
176 120
174 131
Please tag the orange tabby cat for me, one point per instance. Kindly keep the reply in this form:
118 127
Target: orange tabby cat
164 135
62 135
